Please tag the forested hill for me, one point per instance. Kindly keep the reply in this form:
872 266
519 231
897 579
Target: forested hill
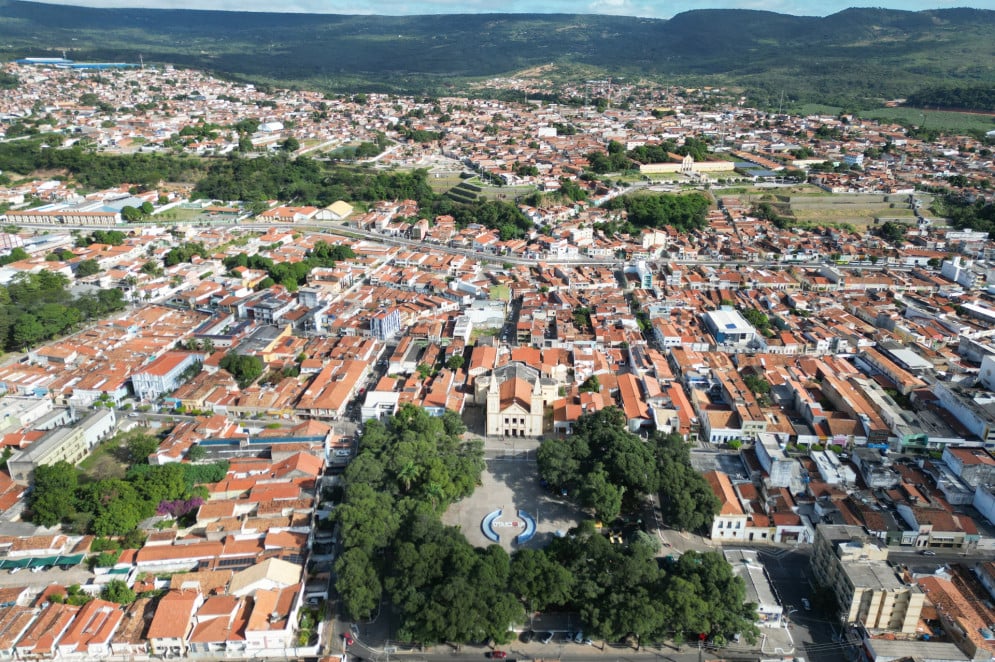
857 55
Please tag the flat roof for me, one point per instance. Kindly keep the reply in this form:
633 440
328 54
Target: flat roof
936 651
876 575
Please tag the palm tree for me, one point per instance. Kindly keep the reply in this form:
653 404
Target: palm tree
407 474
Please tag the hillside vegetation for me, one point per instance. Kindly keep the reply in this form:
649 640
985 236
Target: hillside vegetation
856 57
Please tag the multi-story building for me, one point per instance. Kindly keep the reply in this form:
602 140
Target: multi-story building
974 466
163 375
385 324
972 407
868 590
70 444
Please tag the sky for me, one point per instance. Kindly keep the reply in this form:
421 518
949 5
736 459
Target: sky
647 8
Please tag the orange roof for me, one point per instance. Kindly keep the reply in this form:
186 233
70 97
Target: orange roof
172 616
200 550
722 487
516 391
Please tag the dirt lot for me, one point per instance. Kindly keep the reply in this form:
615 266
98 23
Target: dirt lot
512 485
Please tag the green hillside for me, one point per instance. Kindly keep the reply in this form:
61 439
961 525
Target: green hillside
856 57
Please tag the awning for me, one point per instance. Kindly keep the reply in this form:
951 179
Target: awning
41 561
70 560
10 564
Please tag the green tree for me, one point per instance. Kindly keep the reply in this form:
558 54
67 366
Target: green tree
892 231
116 590
245 369
115 504
590 385
131 214
140 447
53 491
561 460
27 331
539 581
686 500
602 496
358 583
455 362
87 268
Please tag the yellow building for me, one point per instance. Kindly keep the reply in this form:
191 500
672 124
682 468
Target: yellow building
868 590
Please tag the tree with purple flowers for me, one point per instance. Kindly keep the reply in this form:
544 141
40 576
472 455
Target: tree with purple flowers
177 508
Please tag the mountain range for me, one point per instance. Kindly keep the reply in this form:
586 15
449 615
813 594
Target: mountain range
854 57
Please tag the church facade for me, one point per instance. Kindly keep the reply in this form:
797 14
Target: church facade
515 400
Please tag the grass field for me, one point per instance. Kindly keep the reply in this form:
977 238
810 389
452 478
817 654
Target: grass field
108 459
443 183
940 120
180 215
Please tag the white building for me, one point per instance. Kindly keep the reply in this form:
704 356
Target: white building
163 375
758 589
784 471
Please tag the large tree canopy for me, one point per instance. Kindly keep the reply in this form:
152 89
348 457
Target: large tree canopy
603 462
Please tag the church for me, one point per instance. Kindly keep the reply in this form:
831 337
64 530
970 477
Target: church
516 399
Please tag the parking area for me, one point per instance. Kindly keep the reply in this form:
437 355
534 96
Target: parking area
43 578
511 485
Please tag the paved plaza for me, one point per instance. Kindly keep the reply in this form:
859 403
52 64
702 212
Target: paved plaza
512 484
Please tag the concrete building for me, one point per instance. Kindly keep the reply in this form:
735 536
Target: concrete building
974 466
70 444
16 411
984 501
379 405
163 375
973 408
875 469
832 471
987 373
385 324
729 327
869 591
784 471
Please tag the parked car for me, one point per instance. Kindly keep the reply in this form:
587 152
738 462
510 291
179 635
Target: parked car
546 637
527 636
928 552
497 655
806 604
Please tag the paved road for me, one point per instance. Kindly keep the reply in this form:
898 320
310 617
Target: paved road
813 630
38 581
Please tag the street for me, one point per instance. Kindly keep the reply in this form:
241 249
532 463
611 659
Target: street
812 629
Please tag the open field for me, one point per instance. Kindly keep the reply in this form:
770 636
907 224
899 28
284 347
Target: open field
107 459
858 210
181 215
442 183
940 120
